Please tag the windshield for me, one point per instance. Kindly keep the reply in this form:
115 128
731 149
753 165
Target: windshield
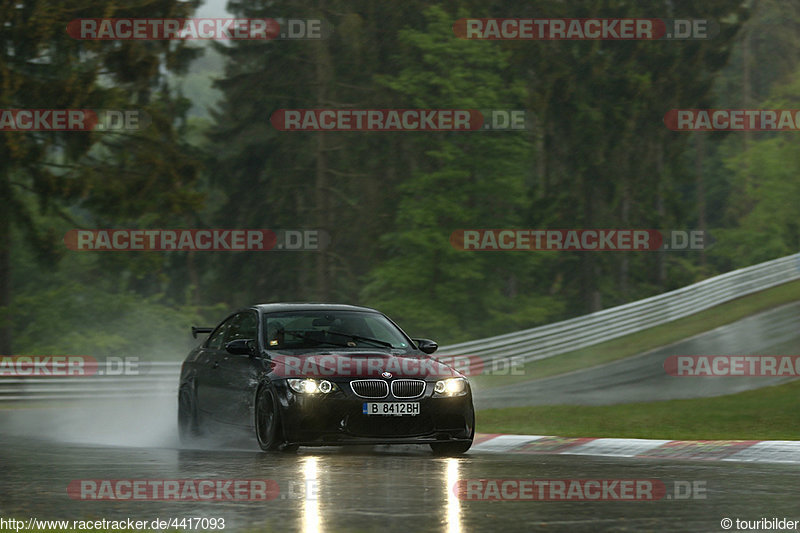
306 330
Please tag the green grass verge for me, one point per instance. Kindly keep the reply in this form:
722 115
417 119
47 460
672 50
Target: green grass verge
769 413
649 339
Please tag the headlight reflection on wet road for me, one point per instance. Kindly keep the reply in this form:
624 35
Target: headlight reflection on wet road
312 521
453 504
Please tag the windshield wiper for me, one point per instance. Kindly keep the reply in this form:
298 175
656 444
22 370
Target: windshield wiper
360 338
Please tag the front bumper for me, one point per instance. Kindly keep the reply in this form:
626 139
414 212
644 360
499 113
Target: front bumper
337 419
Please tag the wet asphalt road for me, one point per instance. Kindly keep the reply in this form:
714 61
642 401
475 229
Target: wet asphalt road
403 488
643 379
388 490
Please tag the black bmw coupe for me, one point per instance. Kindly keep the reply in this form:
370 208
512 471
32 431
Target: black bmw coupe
322 374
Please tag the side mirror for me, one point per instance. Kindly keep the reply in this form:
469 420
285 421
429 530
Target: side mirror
426 345
240 347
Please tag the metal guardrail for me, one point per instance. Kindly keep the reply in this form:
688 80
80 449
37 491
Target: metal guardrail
158 378
526 345
561 337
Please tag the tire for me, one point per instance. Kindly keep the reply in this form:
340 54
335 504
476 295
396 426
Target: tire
188 428
450 448
267 420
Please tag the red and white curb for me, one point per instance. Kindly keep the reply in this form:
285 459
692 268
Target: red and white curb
752 451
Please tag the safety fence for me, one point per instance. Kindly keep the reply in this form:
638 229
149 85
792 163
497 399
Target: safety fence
156 378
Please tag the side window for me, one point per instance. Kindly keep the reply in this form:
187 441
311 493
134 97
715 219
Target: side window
216 338
243 326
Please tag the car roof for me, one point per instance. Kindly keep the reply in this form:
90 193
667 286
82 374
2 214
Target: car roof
310 306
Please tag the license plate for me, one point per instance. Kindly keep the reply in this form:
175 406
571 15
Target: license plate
390 408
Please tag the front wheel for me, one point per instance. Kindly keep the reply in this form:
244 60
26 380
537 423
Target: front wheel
267 420
450 448
188 428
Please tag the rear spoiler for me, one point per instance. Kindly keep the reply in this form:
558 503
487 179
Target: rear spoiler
196 330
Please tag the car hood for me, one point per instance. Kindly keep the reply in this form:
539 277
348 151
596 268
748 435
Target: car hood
359 365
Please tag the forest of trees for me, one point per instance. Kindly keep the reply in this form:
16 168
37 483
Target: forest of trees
597 155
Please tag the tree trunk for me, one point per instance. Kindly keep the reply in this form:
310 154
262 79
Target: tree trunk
322 64
701 191
661 268
5 263
321 201
591 295
624 265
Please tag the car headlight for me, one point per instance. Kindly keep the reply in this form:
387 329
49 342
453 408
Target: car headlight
450 387
311 386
